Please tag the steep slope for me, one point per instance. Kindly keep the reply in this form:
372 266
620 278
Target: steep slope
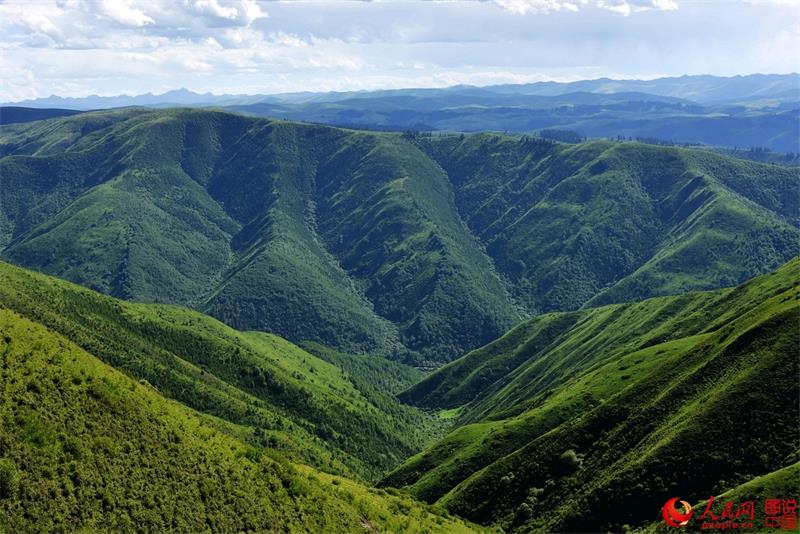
390 218
377 218
418 248
278 394
603 222
83 447
590 420
244 218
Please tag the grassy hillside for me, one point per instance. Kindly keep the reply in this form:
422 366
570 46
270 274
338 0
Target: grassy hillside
335 416
603 222
590 420
85 447
245 219
413 247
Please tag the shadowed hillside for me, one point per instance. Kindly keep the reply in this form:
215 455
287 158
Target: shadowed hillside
15 114
590 420
412 247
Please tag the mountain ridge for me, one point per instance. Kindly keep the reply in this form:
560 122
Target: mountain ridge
410 246
92 441
588 421
598 85
754 111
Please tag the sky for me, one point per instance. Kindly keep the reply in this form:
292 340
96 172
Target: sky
112 47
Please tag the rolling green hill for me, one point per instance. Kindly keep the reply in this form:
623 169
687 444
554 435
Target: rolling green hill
87 447
590 420
413 247
332 414
244 218
604 222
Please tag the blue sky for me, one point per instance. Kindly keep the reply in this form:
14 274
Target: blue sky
75 48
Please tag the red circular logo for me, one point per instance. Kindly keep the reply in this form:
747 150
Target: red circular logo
673 516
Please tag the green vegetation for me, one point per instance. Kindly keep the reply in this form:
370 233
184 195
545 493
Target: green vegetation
417 248
276 394
83 447
603 222
368 372
588 421
16 114
452 413
347 239
328 247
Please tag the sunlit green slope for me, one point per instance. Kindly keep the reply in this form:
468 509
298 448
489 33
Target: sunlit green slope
85 448
278 394
603 222
590 420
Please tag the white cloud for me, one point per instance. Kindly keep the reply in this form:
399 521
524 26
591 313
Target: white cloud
287 39
665 5
523 7
626 7
251 11
212 7
623 7
34 24
240 38
243 12
123 12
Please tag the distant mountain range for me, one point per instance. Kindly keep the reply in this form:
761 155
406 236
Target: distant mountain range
702 89
741 111
178 97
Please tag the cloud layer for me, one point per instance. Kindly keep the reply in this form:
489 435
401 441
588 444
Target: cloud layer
74 47
622 7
